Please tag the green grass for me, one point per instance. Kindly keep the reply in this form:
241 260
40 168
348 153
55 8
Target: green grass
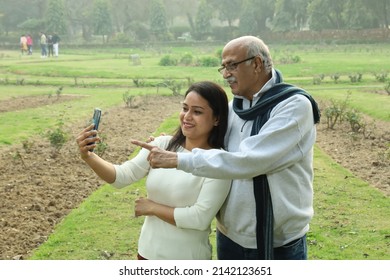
17 126
327 60
105 222
374 105
351 218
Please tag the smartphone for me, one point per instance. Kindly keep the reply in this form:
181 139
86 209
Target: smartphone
96 118
97 113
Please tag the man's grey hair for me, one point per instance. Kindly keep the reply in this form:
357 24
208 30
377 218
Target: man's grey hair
257 47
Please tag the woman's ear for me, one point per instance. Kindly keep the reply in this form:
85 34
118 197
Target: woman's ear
216 122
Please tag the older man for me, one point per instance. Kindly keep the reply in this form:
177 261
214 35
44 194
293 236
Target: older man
269 156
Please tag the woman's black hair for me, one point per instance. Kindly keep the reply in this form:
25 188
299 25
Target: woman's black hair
218 101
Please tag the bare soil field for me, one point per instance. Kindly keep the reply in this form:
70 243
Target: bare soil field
37 190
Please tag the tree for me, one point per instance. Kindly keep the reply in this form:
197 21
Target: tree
228 10
358 15
13 14
179 8
55 17
202 22
158 20
78 14
326 14
255 16
126 12
381 10
102 19
247 25
289 15
33 25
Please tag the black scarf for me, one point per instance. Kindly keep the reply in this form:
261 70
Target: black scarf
260 113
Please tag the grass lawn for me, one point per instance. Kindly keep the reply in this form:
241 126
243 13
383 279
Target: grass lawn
351 218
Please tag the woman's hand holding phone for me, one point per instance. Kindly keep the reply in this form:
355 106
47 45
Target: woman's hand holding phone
87 138
95 121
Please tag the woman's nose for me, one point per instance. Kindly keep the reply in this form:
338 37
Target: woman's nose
188 115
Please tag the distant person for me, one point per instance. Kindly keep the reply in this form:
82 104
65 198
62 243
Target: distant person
29 44
56 41
50 45
179 207
269 142
23 44
43 43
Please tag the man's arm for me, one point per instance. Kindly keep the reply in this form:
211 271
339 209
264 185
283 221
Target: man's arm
284 140
158 158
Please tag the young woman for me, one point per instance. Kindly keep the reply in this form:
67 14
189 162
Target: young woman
180 207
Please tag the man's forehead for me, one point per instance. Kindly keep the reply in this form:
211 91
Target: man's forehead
231 54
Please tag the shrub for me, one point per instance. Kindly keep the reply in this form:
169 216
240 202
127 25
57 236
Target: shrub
139 82
318 79
168 61
218 53
121 38
387 88
101 146
289 59
355 77
174 86
20 81
335 112
128 99
335 77
59 91
381 77
209 61
27 146
355 120
57 137
186 59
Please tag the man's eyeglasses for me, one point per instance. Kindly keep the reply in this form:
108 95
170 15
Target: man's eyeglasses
232 66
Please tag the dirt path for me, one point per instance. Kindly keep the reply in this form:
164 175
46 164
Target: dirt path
37 191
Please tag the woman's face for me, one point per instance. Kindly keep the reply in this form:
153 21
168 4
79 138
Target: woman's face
196 118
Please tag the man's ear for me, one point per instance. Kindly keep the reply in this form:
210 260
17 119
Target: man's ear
258 64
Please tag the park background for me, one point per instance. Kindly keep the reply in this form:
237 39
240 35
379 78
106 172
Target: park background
134 59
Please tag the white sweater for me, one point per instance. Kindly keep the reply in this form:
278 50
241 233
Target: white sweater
196 201
283 150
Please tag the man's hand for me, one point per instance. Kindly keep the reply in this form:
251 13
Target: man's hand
158 158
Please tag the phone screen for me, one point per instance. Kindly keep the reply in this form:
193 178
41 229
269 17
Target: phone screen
96 120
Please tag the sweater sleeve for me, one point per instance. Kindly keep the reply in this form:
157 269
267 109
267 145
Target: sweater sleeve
200 215
132 170
138 167
282 141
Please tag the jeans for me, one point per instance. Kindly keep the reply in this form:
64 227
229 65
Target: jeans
43 50
229 250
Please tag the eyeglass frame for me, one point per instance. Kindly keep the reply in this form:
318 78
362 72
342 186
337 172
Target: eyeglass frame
233 66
